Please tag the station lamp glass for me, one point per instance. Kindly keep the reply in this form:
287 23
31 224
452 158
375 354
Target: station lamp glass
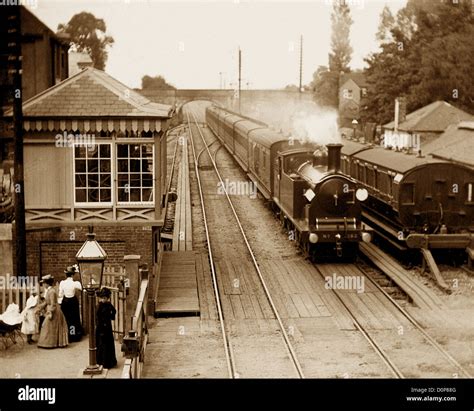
90 259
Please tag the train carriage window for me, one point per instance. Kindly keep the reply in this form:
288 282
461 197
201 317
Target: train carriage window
361 173
407 194
370 176
256 158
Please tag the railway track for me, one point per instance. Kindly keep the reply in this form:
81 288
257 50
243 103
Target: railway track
448 362
393 357
236 364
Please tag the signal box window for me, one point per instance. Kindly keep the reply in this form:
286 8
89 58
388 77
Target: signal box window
93 177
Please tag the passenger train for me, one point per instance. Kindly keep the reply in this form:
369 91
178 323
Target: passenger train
315 201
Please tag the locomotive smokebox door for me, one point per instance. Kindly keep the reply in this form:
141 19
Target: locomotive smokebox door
334 157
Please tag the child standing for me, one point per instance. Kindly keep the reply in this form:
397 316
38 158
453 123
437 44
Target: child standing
30 318
104 334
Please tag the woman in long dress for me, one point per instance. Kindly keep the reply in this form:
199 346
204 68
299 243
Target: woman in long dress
70 304
54 331
104 333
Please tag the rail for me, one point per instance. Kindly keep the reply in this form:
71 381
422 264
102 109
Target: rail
134 343
285 337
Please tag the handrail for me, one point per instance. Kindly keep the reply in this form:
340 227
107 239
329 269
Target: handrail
134 344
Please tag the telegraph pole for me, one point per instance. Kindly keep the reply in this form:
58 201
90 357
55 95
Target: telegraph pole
301 64
240 77
14 34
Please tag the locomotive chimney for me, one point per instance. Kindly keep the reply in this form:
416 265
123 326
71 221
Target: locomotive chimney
334 157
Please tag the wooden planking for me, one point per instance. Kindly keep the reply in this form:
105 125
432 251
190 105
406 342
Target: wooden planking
189 223
201 287
182 231
178 288
310 306
247 306
300 306
420 294
256 307
237 307
290 307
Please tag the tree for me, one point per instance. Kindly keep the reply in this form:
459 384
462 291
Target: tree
429 58
87 34
325 82
386 25
341 50
325 86
157 83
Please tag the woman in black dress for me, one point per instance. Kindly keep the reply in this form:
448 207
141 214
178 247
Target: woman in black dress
70 303
103 332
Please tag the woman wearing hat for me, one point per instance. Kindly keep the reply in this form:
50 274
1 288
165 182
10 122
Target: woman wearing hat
70 303
103 332
54 329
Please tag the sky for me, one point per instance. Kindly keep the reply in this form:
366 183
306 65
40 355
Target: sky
194 44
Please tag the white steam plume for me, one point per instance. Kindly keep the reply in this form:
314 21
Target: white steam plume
303 120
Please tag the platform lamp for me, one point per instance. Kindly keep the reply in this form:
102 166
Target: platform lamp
354 126
90 259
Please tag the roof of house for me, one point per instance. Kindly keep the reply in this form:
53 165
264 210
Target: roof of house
358 78
455 144
92 93
436 117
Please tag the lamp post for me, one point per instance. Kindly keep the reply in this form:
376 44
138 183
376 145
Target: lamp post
354 126
90 259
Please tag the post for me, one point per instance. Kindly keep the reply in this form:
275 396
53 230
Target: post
131 271
19 186
240 78
301 65
92 341
92 368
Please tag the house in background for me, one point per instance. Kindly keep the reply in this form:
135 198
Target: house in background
352 93
422 126
455 144
44 64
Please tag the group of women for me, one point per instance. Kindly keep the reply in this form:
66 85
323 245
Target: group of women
61 322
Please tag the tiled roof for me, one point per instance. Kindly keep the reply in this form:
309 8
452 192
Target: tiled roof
358 78
436 116
455 144
92 93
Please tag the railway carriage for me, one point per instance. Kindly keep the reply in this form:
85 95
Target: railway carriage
416 201
315 201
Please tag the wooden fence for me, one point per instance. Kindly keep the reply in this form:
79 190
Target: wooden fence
17 290
137 338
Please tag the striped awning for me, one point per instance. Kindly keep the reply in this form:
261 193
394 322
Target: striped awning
95 125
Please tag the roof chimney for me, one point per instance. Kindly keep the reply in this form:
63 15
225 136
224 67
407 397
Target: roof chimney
400 112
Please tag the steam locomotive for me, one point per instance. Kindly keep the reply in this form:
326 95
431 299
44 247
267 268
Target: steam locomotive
415 201
318 204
